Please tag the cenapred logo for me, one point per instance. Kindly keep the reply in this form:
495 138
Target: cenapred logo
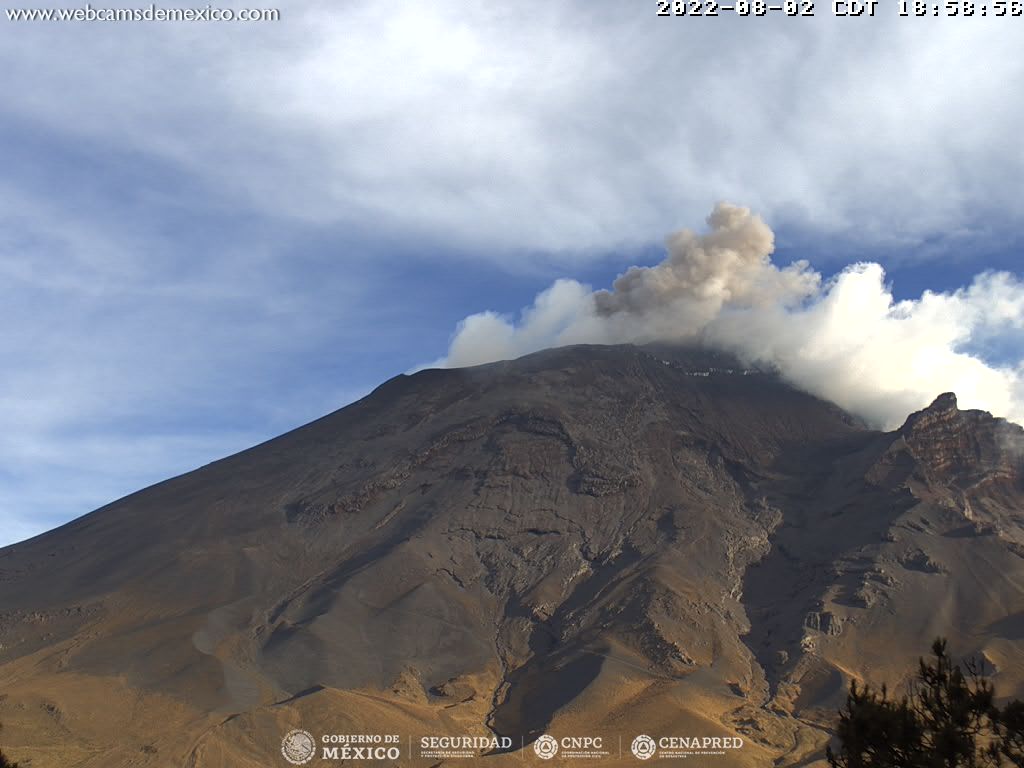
546 747
643 747
298 747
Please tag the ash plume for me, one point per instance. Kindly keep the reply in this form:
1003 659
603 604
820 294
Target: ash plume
845 339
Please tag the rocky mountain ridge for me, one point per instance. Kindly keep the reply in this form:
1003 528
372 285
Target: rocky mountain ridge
619 540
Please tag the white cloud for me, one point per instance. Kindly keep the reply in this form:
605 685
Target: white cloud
551 126
846 340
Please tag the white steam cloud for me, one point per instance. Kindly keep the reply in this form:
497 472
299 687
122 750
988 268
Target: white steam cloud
846 340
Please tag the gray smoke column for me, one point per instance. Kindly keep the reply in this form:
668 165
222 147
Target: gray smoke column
731 265
846 339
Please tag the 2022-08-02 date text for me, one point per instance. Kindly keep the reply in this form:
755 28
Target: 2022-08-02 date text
842 8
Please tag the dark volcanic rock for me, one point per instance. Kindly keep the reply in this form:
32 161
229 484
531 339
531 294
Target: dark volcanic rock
587 537
964 446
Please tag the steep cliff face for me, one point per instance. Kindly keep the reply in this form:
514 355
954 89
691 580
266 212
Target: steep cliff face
608 540
963 447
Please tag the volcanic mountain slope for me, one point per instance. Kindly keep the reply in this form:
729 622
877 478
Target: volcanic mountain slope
589 540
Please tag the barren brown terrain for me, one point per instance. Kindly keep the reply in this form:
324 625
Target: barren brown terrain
594 540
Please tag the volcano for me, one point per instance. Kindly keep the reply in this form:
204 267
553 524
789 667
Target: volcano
591 542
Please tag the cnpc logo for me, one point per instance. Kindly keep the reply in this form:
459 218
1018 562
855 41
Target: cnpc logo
548 746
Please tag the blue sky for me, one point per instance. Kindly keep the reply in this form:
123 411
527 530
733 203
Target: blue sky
211 233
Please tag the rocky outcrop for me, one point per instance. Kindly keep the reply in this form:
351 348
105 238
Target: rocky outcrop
964 447
825 622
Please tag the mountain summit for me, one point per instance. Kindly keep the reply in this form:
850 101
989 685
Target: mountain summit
609 540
